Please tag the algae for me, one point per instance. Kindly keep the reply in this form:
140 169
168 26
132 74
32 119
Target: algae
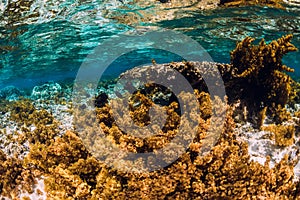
284 134
70 171
256 76
226 172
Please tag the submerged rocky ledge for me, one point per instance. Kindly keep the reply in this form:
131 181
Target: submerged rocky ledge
45 149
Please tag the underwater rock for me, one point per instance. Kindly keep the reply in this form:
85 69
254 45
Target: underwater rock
101 100
46 91
10 93
194 72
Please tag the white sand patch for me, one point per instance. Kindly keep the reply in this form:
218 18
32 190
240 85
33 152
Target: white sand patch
262 144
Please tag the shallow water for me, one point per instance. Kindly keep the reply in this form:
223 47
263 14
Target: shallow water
51 45
48 41
218 30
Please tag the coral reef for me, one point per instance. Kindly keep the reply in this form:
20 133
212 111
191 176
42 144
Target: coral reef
47 91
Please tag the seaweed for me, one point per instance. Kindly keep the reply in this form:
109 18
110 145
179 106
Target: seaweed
22 112
284 134
25 114
14 176
225 172
71 171
256 75
68 168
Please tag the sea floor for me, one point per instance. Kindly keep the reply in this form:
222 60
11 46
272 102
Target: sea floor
261 143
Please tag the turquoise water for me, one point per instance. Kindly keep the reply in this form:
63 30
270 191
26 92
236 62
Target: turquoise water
35 50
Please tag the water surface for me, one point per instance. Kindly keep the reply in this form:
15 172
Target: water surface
51 47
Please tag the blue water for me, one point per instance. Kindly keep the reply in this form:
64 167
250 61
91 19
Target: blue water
52 49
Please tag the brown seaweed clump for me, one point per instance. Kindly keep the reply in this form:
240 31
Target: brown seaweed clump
257 77
224 173
70 171
14 176
24 113
284 134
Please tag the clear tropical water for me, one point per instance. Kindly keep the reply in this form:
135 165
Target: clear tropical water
49 41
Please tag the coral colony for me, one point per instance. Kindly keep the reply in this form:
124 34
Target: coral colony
255 79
